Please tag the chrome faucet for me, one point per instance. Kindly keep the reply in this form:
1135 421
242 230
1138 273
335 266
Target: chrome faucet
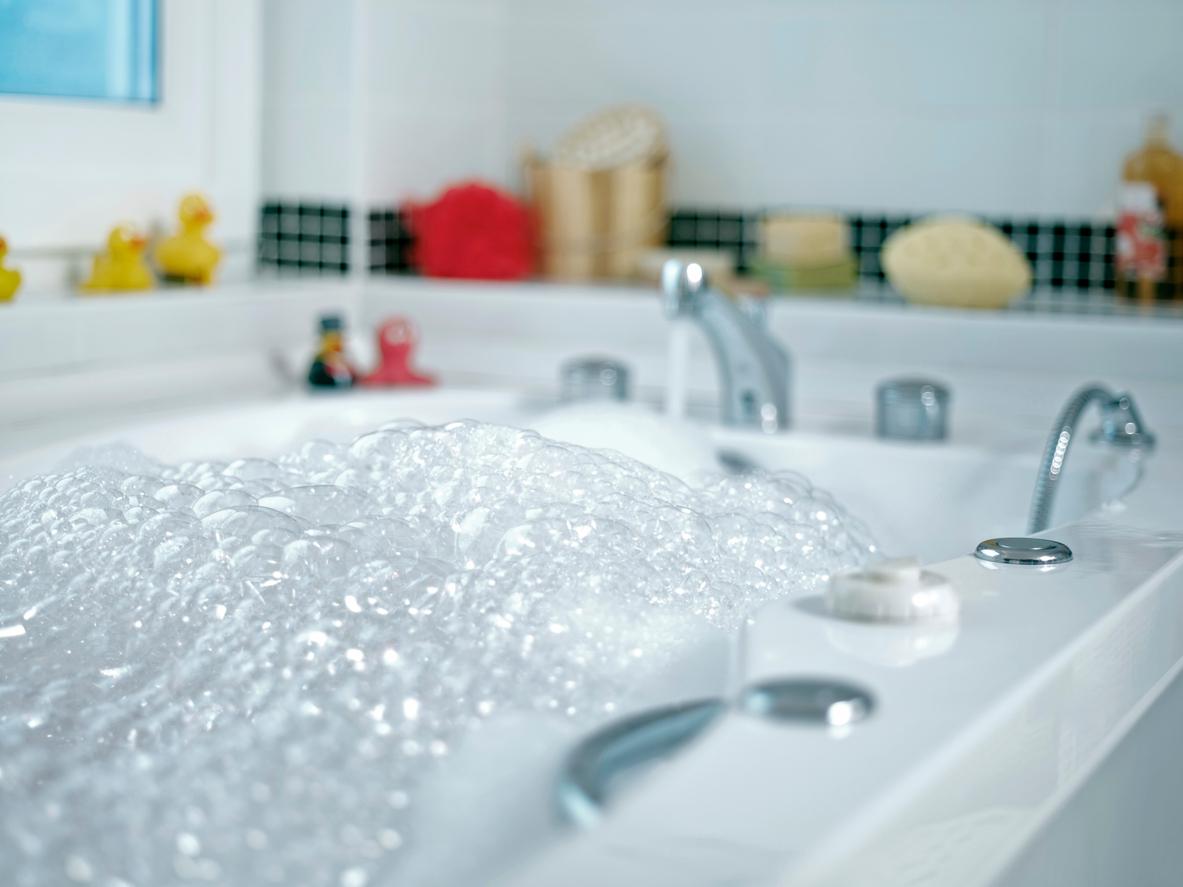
753 368
1121 425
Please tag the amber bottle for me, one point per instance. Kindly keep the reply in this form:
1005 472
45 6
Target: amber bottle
1160 166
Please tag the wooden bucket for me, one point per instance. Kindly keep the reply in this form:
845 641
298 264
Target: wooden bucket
594 223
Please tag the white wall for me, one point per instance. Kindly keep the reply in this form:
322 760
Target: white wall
1004 106
375 101
996 106
435 93
308 94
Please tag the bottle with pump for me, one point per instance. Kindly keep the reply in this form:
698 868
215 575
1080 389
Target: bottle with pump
1150 229
330 368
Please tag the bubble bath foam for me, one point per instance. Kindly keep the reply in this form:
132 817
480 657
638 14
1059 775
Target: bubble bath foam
240 672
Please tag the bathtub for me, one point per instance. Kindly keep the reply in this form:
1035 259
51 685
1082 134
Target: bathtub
996 747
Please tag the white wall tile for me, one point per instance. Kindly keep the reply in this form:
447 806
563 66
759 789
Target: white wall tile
431 56
683 61
1011 106
1123 56
307 44
707 170
413 155
902 55
896 160
306 149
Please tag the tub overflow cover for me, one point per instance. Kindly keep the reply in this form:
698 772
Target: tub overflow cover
1024 550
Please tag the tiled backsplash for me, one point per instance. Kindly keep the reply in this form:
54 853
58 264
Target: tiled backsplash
390 242
304 237
735 232
1067 256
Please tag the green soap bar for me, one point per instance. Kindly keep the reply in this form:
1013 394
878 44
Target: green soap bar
786 278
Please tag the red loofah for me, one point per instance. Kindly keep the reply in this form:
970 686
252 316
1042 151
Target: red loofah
472 231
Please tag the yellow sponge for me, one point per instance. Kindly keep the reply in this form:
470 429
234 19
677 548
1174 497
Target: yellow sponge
957 261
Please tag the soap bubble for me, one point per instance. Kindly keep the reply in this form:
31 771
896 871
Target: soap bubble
241 671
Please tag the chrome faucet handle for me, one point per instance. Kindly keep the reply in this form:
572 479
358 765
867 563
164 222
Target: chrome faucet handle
593 378
911 409
1122 425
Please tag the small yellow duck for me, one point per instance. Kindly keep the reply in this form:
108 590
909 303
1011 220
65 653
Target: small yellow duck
122 266
187 255
10 278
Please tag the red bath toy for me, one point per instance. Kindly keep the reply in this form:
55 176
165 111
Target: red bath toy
396 343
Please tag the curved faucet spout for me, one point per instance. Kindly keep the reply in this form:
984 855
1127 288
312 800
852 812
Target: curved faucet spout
1121 425
754 370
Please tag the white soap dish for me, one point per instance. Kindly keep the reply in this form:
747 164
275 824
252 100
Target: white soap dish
895 590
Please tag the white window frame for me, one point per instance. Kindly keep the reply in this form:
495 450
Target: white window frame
70 168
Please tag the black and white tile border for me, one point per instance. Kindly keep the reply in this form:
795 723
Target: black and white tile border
1063 255
1072 260
389 243
304 237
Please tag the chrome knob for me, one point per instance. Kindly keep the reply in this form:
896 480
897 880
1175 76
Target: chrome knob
593 378
1122 424
911 409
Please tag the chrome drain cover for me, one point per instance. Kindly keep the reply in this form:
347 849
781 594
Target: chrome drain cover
807 701
1028 551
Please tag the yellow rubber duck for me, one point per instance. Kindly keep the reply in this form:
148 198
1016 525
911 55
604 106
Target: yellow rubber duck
187 254
10 278
122 266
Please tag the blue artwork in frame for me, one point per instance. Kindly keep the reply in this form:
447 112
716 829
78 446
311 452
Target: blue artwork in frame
85 49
